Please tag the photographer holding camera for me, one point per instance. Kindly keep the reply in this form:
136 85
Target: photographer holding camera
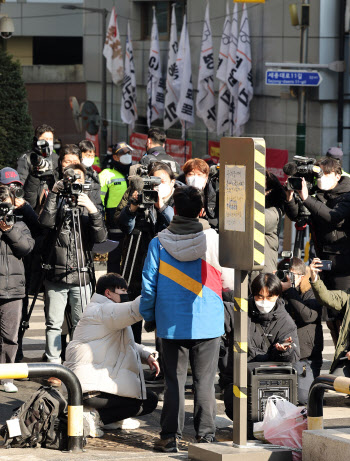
305 310
329 219
70 256
145 209
155 150
15 243
36 168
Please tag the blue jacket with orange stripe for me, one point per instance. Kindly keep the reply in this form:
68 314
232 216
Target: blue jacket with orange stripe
182 282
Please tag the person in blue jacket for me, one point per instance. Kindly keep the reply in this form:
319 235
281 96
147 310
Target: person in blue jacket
182 284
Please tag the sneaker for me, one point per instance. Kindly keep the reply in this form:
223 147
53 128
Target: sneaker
206 439
54 382
126 424
10 387
166 445
92 419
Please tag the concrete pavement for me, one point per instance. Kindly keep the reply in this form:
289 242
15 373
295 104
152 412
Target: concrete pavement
136 444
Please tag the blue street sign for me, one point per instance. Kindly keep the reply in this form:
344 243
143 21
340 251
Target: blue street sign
293 77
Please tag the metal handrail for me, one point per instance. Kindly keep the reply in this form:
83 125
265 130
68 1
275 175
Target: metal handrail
315 401
75 395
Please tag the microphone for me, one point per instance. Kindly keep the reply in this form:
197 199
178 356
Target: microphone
290 169
136 183
69 174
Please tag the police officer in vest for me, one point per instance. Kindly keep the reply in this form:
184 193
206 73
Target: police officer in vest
114 182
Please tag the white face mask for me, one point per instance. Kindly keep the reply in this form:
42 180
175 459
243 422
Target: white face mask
126 159
164 190
87 161
265 306
326 182
196 181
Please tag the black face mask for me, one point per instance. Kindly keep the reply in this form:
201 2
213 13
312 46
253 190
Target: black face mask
123 169
124 298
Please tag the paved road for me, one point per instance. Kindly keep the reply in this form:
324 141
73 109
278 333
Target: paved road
138 444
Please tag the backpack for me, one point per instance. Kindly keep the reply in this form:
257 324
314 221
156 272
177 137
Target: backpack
42 419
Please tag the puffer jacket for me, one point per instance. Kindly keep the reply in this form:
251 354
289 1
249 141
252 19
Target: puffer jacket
306 312
275 327
330 224
158 154
32 185
182 281
103 353
63 260
14 245
340 301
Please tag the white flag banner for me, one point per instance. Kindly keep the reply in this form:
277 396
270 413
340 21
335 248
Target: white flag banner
185 106
128 109
155 83
224 94
112 50
243 74
205 102
231 81
173 78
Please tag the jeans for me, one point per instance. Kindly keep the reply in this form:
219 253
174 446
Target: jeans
10 318
113 408
203 355
56 296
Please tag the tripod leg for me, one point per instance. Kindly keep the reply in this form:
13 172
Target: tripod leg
82 260
127 255
74 212
134 257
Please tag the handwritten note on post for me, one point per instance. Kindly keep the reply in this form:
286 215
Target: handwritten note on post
235 197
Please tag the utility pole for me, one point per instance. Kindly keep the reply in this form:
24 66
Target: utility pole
301 125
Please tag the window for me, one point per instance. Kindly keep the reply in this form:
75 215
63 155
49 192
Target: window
57 50
163 15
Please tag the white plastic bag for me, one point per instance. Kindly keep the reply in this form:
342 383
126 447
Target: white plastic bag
286 427
271 414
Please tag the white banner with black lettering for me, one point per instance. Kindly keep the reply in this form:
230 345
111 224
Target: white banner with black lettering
224 94
185 107
243 74
205 101
173 79
231 81
128 111
155 83
112 50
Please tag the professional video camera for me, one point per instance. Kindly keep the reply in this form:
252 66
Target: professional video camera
302 167
144 185
6 213
39 158
72 188
282 274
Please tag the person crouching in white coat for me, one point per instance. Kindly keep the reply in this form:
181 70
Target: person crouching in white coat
107 361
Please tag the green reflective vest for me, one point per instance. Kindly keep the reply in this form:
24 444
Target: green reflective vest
113 186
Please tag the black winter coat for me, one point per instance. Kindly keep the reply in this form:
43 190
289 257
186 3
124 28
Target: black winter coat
32 185
63 259
330 223
276 326
306 312
158 154
14 245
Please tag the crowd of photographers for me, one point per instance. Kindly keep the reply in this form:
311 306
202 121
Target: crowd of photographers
56 207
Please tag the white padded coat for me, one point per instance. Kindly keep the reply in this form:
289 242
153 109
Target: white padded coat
103 353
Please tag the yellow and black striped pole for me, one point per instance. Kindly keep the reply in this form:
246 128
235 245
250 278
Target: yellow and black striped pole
75 396
241 246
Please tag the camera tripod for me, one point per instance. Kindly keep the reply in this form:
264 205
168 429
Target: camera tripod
81 268
303 219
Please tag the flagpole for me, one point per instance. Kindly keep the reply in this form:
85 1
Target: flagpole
207 139
185 141
112 124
